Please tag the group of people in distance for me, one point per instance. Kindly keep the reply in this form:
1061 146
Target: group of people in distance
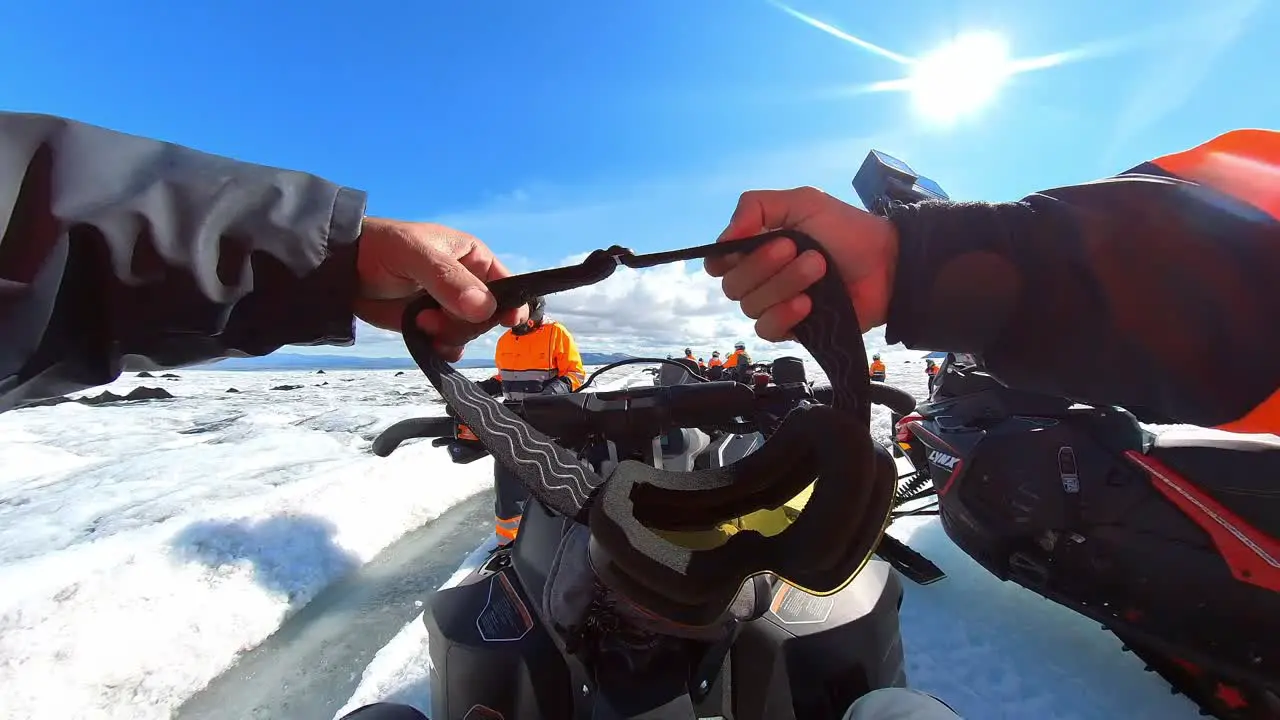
737 359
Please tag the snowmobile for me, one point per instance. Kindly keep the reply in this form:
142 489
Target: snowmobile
1170 541
497 651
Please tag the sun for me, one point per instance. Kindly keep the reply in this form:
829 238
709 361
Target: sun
960 78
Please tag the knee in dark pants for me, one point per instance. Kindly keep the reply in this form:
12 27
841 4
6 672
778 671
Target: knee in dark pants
385 711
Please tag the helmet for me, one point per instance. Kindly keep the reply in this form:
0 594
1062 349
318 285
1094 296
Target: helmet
739 345
876 356
715 353
537 308
687 351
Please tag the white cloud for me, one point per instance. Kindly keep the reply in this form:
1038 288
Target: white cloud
655 311
660 310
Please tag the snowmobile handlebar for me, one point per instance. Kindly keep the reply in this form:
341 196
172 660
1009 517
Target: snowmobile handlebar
643 412
388 440
897 400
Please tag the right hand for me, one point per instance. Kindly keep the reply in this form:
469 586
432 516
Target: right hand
770 282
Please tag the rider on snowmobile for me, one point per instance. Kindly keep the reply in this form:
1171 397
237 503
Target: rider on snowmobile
738 361
876 369
76 198
536 357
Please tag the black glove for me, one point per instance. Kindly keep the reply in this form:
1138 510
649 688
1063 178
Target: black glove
492 386
558 386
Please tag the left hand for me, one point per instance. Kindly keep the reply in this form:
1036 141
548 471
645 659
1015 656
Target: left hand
398 259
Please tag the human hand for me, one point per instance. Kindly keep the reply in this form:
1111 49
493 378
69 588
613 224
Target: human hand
769 283
398 259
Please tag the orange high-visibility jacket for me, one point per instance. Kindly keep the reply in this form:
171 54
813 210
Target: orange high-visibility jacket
526 363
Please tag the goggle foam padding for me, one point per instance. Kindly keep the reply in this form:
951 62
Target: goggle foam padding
820 551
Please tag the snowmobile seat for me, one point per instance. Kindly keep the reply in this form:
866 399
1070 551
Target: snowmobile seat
669 374
1238 470
1210 438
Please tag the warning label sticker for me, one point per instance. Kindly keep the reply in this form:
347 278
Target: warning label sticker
505 617
794 606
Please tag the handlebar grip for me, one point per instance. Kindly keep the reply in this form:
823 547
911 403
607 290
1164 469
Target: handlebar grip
899 401
824 394
639 411
388 440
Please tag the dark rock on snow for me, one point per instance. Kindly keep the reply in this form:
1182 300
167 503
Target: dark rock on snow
232 390
170 376
144 374
319 372
398 374
286 387
108 397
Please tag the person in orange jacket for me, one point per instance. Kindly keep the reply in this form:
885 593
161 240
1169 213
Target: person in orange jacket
538 357
688 355
876 368
738 361
715 368
702 365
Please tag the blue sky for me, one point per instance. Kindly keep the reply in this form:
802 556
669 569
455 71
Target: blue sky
550 129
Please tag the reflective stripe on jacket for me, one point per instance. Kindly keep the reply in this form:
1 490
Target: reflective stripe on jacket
526 363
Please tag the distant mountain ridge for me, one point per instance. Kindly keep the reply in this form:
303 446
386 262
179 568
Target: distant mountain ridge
297 361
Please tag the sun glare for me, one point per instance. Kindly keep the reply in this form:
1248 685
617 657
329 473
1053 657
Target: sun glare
961 77
958 79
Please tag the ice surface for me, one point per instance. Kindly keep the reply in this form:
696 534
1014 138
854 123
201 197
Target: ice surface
142 546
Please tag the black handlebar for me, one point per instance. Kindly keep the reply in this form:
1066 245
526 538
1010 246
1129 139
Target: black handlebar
639 411
899 401
646 411
390 439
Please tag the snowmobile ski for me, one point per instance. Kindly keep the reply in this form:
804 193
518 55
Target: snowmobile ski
912 565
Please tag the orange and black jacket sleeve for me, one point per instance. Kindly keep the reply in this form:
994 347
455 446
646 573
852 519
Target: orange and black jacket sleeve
1157 290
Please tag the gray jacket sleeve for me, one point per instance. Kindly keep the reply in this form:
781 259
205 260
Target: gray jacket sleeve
120 252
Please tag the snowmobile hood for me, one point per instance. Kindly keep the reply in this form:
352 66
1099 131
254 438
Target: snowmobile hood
639 514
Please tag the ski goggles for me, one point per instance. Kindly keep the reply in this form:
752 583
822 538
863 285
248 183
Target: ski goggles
647 525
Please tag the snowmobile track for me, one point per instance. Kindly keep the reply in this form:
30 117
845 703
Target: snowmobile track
1213 694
